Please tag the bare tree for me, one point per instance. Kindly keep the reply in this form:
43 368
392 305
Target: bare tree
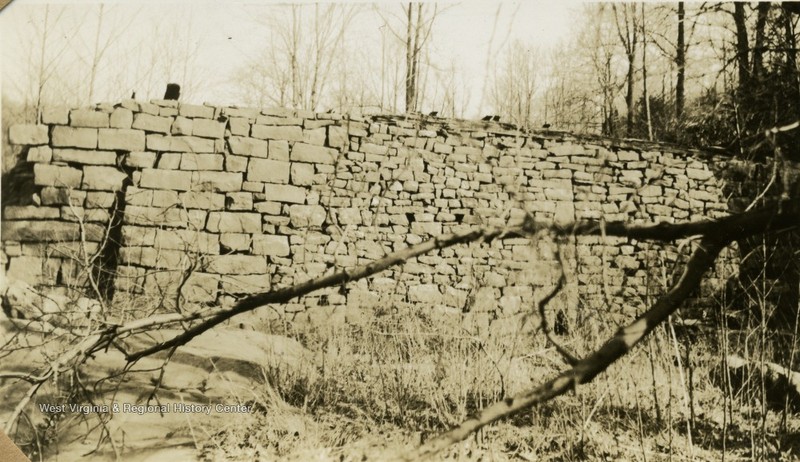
305 47
417 20
627 30
680 62
515 84
110 28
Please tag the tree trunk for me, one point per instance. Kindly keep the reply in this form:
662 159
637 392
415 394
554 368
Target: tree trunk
629 94
758 46
410 96
680 61
644 79
742 45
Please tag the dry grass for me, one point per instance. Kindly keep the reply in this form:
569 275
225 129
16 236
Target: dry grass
386 385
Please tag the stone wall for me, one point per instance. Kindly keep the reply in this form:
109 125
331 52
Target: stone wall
160 203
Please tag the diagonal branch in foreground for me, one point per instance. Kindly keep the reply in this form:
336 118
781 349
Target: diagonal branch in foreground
589 367
717 234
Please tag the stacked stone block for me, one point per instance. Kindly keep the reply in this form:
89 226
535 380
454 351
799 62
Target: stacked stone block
203 205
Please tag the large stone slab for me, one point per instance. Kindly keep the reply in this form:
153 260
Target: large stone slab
237 264
152 123
57 175
234 222
165 179
122 139
28 134
216 181
102 178
285 193
302 152
88 118
72 137
268 171
179 144
268 132
84 156
265 244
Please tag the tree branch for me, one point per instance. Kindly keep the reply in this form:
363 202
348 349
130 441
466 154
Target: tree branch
589 367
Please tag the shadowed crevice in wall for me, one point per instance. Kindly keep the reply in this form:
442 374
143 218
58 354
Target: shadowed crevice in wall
104 270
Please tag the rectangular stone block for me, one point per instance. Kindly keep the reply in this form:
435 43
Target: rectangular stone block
121 118
169 160
192 161
88 118
156 258
302 152
279 150
249 146
237 264
234 222
186 240
42 154
100 199
165 179
28 134
179 144
62 196
280 132
302 174
698 174
235 242
148 108
268 171
208 128
140 159
152 123
202 200
200 288
156 216
121 139
337 136
266 244
196 111
74 137
30 212
239 126
235 163
314 136
103 178
85 156
216 181
650 191
136 236
56 175
48 231
165 198
182 126
285 193
245 283
239 201
372 148
303 216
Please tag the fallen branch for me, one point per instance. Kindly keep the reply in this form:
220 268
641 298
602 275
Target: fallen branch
716 236
589 367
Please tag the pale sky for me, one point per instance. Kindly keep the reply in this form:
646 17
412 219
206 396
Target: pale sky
226 36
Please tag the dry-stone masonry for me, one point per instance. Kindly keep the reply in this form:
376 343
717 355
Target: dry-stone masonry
165 203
